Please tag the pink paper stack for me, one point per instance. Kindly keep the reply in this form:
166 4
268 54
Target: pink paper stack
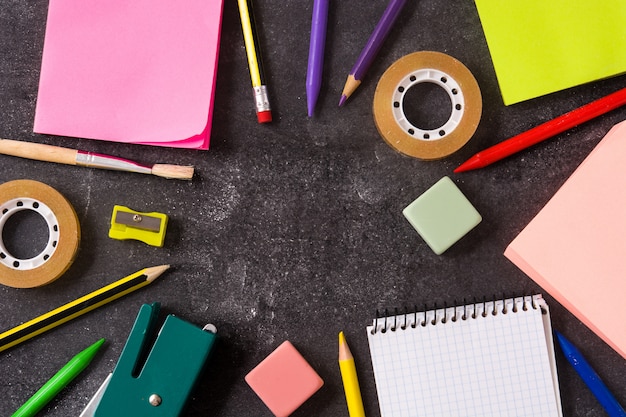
575 248
142 71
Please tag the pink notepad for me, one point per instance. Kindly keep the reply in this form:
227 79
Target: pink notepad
140 71
575 248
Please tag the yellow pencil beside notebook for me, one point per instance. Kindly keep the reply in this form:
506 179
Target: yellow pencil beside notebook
350 380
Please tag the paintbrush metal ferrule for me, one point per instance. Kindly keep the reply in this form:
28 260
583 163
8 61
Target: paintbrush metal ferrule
95 160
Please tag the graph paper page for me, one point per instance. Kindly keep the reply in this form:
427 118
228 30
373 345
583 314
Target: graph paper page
494 365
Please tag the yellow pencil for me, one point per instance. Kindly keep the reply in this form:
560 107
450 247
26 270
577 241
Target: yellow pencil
80 306
350 381
255 64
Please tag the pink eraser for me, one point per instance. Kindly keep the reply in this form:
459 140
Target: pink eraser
284 380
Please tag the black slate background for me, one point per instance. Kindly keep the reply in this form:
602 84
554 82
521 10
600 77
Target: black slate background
293 230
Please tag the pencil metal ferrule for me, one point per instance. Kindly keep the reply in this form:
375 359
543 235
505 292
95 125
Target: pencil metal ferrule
261 98
94 160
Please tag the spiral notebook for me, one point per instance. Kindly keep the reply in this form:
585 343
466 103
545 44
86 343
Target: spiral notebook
489 358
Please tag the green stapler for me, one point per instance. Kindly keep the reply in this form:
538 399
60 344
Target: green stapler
154 382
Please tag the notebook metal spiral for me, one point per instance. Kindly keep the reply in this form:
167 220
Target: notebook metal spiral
465 311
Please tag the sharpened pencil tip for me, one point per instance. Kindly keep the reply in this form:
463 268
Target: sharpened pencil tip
344 350
342 100
155 272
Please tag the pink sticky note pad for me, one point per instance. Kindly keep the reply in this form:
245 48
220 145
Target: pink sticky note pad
574 247
284 380
140 71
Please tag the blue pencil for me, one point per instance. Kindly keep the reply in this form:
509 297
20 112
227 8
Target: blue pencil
316 53
593 381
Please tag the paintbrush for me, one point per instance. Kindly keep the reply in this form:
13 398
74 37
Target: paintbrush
68 156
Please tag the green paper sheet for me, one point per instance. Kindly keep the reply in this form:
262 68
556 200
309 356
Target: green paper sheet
542 46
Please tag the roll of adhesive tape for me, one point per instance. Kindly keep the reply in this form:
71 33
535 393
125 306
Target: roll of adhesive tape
444 71
63 234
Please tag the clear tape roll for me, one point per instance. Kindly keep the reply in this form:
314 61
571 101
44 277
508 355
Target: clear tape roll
444 71
63 234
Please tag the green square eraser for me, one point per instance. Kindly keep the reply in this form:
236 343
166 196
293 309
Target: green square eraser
442 215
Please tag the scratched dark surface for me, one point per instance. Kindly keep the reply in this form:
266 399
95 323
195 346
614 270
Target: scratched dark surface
292 230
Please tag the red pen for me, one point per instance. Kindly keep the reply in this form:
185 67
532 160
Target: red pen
544 131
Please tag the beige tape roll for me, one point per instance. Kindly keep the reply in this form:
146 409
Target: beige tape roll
63 234
444 71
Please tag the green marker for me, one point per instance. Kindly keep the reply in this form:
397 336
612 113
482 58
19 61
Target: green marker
65 375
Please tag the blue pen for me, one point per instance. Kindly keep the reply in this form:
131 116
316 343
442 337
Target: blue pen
593 381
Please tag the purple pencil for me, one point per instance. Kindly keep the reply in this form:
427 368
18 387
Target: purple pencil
372 47
316 53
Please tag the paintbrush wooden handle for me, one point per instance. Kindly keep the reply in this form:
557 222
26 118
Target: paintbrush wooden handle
38 151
